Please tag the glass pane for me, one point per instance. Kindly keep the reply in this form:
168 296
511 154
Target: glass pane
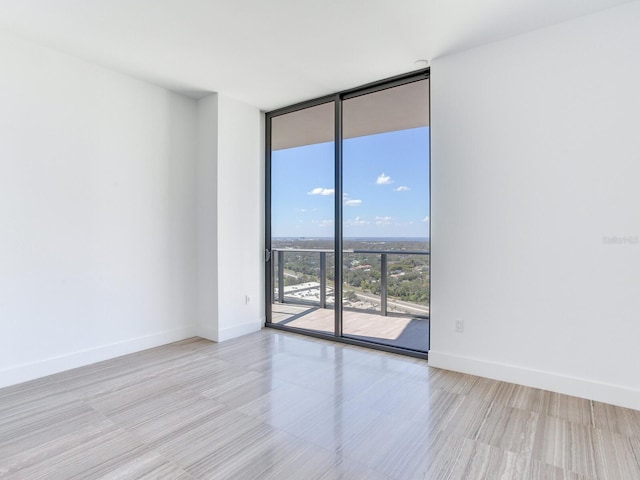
302 218
386 216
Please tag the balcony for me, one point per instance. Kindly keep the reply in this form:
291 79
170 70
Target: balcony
385 294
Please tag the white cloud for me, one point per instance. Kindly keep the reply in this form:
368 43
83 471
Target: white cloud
357 221
401 188
383 220
323 223
321 191
351 202
425 219
383 179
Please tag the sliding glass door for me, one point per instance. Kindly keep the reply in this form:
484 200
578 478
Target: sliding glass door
386 215
347 231
303 218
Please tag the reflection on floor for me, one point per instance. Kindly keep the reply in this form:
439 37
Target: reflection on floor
276 406
404 332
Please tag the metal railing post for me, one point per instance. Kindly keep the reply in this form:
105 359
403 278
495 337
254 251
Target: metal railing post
272 268
383 284
280 276
323 280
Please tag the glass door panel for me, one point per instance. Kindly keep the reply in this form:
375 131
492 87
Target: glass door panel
386 216
303 218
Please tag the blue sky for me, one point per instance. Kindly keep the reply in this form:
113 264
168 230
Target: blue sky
386 186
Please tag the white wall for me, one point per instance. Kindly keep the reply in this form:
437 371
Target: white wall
230 218
536 158
240 218
97 213
207 217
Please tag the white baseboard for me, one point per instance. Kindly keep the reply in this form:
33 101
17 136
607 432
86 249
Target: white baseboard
577 387
48 366
208 333
239 330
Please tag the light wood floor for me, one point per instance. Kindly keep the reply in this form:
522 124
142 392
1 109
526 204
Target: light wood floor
283 406
397 331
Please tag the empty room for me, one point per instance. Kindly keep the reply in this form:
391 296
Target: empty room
319 240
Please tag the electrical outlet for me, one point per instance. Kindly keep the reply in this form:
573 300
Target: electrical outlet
459 326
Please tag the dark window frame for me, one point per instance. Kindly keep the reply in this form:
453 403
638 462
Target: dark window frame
336 99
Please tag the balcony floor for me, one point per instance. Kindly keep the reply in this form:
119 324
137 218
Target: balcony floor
403 332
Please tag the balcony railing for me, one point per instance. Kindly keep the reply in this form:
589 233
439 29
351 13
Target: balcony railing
280 254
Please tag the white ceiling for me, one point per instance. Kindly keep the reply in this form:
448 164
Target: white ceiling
271 53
